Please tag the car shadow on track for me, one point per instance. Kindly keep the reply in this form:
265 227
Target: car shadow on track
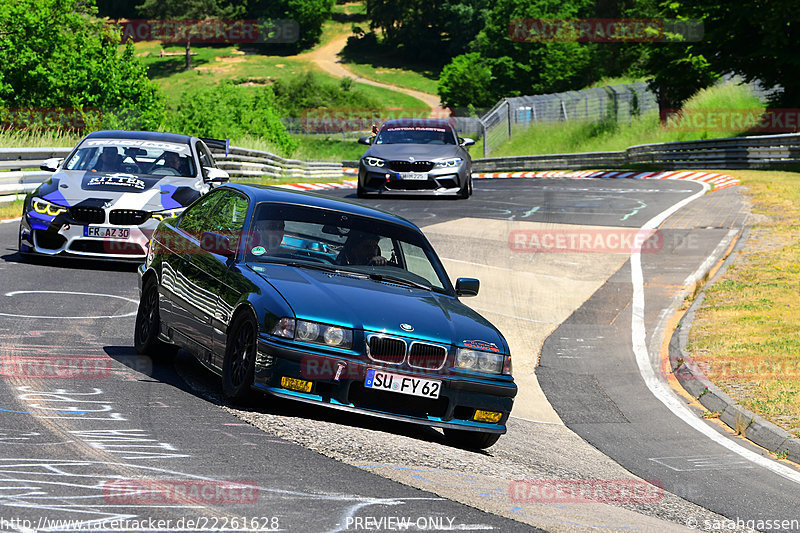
189 375
68 262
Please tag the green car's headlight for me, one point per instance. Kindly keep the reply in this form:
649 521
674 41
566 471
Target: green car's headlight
479 361
44 207
314 332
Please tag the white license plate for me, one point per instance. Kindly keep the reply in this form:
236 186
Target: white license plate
427 388
412 175
107 232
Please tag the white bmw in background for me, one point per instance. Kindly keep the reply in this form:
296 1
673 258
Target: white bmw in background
107 197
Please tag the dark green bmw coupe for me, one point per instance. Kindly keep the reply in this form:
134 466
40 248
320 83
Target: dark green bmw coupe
327 302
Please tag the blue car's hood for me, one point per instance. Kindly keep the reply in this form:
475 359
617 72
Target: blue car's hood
379 307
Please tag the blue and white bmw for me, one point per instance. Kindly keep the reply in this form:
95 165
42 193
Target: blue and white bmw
106 198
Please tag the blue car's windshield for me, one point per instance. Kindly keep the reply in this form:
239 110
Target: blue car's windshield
304 236
415 135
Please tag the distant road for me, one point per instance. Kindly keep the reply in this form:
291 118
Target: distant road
327 58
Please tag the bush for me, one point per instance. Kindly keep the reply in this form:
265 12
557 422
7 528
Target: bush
308 91
466 81
58 54
226 110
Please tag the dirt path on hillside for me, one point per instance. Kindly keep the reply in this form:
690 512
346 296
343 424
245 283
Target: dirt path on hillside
327 58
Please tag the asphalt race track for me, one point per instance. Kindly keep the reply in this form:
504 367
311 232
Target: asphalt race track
84 445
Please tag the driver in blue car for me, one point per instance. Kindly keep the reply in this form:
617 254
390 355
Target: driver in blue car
361 248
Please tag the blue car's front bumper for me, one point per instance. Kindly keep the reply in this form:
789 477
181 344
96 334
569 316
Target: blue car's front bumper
460 396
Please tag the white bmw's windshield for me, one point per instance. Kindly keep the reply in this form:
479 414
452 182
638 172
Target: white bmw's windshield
132 156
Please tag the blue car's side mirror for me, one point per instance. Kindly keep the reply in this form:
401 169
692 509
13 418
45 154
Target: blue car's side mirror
467 286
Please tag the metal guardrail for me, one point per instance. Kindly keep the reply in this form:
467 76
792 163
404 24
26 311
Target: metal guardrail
764 151
19 167
760 151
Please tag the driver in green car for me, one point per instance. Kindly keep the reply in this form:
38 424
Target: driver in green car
361 248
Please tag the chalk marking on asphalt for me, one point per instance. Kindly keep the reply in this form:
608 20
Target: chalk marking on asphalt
505 269
483 310
536 421
658 388
15 293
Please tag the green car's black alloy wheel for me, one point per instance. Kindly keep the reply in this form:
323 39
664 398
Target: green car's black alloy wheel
239 365
148 324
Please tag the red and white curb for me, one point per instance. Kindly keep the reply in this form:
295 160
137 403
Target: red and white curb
347 184
717 181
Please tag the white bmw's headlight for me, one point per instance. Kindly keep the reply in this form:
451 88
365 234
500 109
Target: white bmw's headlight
314 332
449 163
161 215
374 161
479 361
43 207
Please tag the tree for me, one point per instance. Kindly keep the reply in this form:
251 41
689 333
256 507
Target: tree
466 81
310 15
419 26
756 39
528 67
58 54
190 10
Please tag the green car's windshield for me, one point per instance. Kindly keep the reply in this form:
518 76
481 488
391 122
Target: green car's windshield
342 242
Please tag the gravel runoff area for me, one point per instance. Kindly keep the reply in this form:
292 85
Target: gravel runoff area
419 456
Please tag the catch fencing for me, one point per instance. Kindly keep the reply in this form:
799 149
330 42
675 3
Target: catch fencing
616 102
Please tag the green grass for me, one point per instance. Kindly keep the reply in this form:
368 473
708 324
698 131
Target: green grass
319 147
10 209
374 69
49 138
608 135
744 335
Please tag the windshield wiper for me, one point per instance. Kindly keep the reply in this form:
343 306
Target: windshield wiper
399 281
324 268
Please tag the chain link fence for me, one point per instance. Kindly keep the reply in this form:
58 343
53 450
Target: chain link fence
616 102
